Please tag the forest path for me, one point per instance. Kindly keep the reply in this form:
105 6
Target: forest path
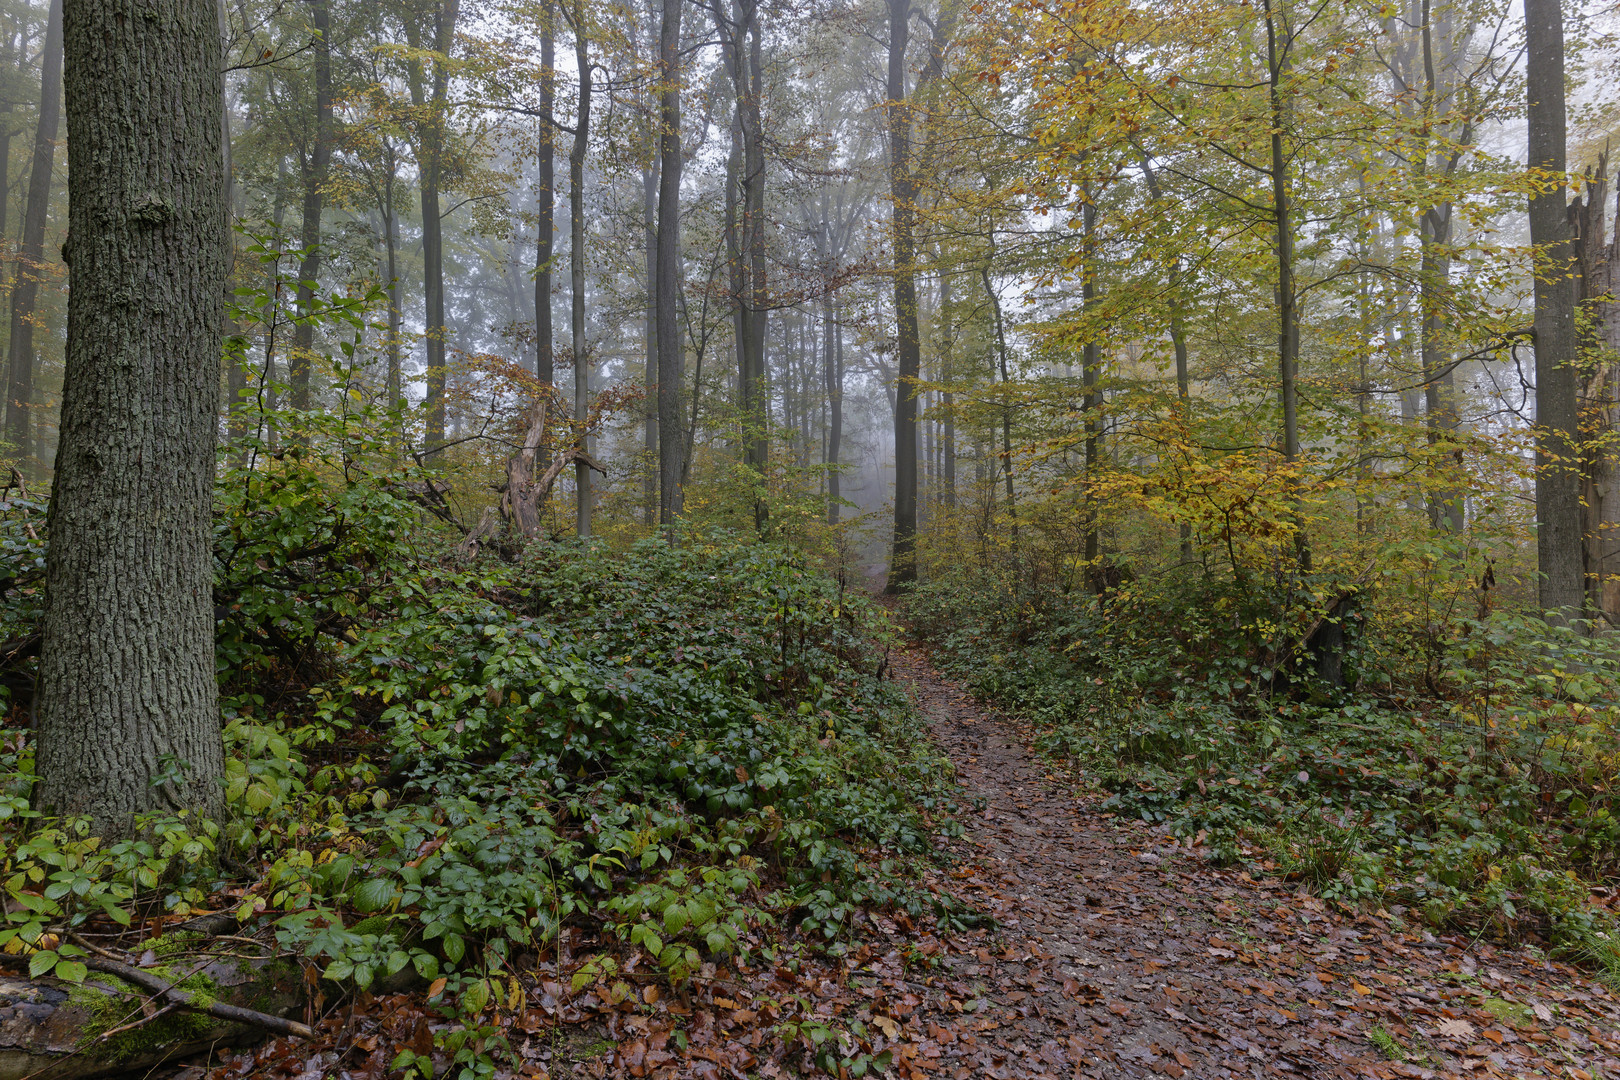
1122 954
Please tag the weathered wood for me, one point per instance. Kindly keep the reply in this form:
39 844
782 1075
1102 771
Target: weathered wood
104 1027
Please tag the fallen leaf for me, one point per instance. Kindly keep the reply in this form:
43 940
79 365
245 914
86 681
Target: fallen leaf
1455 1029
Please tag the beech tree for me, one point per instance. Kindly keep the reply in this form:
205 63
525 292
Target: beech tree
129 715
1558 479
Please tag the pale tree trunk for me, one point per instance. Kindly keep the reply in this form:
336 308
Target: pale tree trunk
667 279
908 348
316 169
31 254
129 710
1558 480
1597 253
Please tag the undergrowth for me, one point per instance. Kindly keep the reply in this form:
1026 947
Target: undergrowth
1472 786
443 767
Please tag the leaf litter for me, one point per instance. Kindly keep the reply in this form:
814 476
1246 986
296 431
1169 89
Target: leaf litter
1117 952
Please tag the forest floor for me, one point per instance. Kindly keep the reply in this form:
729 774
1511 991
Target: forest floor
1122 953
1118 953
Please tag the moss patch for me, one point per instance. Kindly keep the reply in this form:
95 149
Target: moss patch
109 1010
1509 1012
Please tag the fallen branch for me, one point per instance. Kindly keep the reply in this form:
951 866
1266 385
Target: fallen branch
220 1010
161 988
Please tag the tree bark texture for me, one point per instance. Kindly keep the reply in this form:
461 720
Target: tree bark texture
667 278
1558 480
129 711
908 346
31 253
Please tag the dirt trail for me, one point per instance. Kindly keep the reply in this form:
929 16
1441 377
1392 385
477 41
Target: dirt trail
1124 955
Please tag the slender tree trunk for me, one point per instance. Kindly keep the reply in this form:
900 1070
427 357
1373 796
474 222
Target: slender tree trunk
1597 257
1287 296
129 710
395 384
8 56
316 170
1558 493
431 168
1439 390
576 271
667 331
948 398
649 407
758 301
908 347
545 210
832 373
1090 374
31 254
1006 408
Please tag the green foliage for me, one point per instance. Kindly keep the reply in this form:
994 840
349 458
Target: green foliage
1471 782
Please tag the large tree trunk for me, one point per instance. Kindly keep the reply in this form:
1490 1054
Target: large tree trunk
1597 253
908 347
31 255
1558 480
667 278
316 169
129 710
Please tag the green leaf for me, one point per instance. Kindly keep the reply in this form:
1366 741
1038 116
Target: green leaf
675 918
71 971
373 894
454 948
40 963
